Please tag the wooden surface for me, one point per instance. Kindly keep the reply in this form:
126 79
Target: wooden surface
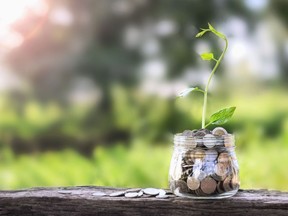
48 201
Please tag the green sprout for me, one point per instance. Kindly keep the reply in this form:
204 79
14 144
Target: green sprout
223 115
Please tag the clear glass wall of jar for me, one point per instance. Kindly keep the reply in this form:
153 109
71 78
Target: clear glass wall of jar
205 167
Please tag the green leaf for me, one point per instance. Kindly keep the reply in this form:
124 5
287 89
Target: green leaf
207 56
222 116
219 34
188 91
200 34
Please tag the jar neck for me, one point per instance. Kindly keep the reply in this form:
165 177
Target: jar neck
185 142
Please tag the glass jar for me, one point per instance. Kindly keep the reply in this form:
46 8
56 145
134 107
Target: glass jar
204 167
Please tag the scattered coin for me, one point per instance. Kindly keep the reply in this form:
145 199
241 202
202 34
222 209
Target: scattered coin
151 191
77 193
133 190
64 191
117 194
140 193
131 194
162 192
187 133
99 194
162 196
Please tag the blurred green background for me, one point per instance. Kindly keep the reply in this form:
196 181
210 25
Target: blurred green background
87 88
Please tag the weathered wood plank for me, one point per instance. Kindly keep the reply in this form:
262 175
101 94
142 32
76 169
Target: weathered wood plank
48 201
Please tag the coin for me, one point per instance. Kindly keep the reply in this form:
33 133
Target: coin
133 190
211 155
151 191
117 193
219 131
223 157
187 133
220 188
99 194
208 185
235 182
209 140
162 196
199 154
199 192
228 140
162 192
131 194
140 193
227 184
77 192
64 191
182 186
193 183
189 157
221 169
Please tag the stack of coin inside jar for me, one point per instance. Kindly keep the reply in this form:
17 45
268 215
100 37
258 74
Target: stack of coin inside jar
204 164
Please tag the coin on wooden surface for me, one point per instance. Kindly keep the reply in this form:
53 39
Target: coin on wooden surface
99 194
219 131
117 194
151 191
64 191
193 183
131 194
140 193
208 185
133 190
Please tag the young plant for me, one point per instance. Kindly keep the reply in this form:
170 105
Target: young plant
223 115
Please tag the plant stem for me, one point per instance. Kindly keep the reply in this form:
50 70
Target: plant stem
207 85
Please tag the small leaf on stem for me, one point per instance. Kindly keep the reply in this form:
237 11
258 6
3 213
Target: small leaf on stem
219 34
188 91
200 34
222 116
207 56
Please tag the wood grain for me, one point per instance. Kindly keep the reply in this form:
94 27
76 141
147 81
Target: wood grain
48 201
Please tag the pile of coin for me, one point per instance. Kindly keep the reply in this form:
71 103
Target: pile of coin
139 192
204 163
129 193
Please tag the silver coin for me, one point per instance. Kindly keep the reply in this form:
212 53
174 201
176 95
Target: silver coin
99 194
162 196
140 193
151 191
77 192
133 190
117 194
209 140
162 192
64 191
131 194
